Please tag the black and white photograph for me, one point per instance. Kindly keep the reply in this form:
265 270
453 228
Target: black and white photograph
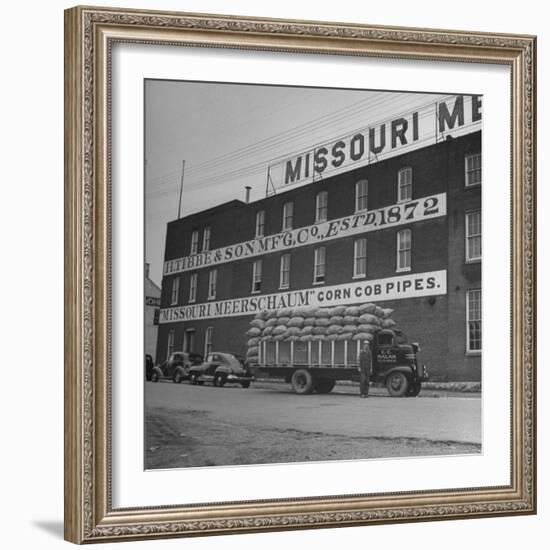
313 269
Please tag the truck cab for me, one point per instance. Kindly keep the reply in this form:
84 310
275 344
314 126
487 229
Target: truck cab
395 364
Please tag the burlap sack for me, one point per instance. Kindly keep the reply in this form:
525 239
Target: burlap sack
252 342
254 331
258 323
378 311
336 320
335 329
271 313
345 336
365 327
363 336
261 315
306 330
367 308
352 310
252 351
352 329
296 322
279 329
322 322
267 331
309 321
319 330
305 338
285 312
331 337
283 320
272 322
388 323
293 331
318 337
387 312
368 319
351 319
322 312
338 310
279 337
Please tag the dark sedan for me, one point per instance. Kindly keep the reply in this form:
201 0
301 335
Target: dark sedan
222 368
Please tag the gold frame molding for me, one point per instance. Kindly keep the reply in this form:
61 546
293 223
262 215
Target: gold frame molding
89 35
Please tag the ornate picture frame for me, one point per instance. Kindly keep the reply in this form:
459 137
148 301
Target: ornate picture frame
90 34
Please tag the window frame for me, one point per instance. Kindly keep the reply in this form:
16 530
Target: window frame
365 196
400 185
316 263
255 277
468 171
467 237
194 277
260 215
175 291
212 274
399 268
282 271
170 343
357 275
469 349
208 333
195 236
286 216
319 207
207 232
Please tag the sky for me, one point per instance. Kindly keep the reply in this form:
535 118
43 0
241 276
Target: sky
228 134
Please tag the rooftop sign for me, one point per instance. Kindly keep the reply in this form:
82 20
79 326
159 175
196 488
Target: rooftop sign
454 116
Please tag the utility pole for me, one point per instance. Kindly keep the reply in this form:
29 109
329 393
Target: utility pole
181 187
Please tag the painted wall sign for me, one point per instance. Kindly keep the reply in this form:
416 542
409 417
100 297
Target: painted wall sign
152 301
413 285
362 222
455 116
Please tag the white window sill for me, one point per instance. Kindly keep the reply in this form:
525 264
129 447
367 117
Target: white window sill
473 261
192 301
318 282
360 276
403 270
284 287
468 186
475 353
255 292
211 298
403 201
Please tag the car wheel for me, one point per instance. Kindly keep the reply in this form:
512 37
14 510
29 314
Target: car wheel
178 377
397 384
219 380
155 377
324 385
194 378
245 384
302 382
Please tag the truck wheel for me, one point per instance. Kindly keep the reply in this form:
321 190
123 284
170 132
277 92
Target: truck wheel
414 390
324 385
302 382
245 384
397 384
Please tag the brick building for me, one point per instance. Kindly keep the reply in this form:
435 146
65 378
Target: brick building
404 232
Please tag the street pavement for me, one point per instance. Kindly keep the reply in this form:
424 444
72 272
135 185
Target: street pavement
433 416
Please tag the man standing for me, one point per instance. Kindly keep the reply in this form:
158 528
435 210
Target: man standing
365 369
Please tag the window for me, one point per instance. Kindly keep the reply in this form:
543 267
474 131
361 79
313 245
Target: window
175 291
404 184
194 242
288 208
321 207
212 283
404 250
473 169
319 265
361 195
193 287
260 224
189 340
206 239
170 346
257 276
473 236
208 340
360 258
473 320
284 277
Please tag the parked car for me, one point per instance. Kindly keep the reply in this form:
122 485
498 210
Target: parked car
149 365
222 368
176 367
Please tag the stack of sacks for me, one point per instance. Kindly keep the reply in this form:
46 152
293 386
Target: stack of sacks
308 324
